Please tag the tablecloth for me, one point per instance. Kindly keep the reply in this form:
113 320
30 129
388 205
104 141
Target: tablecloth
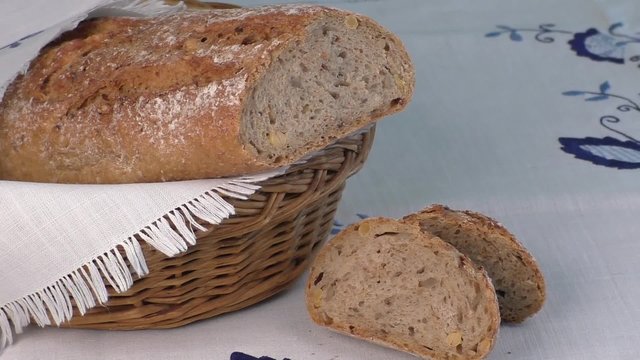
527 111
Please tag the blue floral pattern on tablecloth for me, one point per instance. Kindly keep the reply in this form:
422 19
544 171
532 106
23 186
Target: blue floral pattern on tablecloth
592 43
622 150
607 151
596 46
242 356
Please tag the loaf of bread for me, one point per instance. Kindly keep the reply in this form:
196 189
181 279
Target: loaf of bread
198 94
390 283
516 275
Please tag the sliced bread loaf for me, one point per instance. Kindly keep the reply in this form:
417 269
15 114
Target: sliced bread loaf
198 94
516 276
391 284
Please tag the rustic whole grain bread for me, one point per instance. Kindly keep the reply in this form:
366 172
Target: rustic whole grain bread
198 94
517 278
391 284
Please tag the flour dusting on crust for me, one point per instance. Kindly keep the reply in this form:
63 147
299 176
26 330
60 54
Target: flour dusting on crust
124 99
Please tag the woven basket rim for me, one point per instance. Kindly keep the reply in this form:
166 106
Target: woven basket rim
245 259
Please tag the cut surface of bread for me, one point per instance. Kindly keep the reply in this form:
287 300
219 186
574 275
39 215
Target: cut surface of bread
517 278
389 283
344 72
198 94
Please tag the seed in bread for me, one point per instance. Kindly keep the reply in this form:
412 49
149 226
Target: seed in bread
516 275
391 284
198 94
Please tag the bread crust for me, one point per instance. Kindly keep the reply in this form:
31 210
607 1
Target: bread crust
487 230
125 100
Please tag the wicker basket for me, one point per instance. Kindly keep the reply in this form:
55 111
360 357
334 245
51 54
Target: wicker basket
247 258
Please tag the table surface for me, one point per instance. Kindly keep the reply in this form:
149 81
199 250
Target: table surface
504 121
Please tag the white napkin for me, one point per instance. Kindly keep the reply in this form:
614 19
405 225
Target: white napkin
50 233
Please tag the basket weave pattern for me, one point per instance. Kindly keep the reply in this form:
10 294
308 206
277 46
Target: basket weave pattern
247 258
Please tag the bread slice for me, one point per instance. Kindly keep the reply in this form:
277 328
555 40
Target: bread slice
516 275
198 94
391 284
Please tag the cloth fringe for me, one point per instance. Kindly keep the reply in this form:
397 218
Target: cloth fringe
86 286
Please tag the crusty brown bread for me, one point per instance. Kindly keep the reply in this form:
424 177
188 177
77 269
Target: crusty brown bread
198 94
517 278
389 283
